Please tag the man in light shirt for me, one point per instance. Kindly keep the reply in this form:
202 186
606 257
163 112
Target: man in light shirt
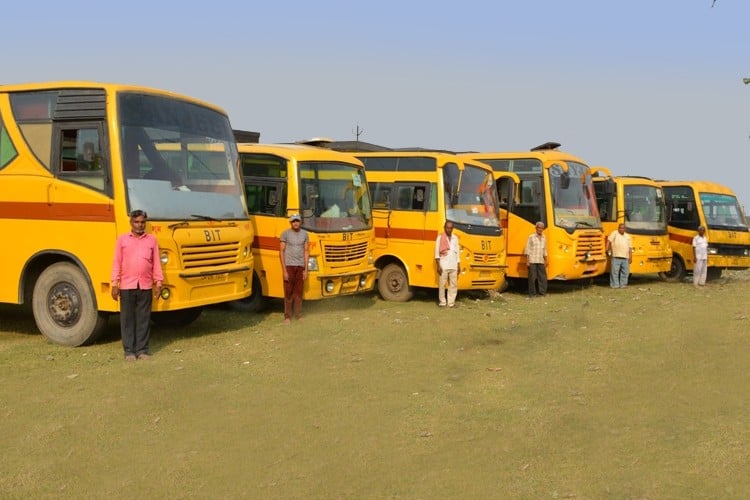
536 259
700 252
620 249
448 265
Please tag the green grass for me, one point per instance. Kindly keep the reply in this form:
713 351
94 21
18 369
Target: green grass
586 393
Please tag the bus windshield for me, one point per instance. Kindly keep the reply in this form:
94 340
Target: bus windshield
723 211
573 199
473 201
644 208
334 197
180 160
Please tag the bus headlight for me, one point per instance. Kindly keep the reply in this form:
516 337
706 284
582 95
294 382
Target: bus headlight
164 258
329 286
713 251
746 252
363 281
165 293
245 251
370 259
312 264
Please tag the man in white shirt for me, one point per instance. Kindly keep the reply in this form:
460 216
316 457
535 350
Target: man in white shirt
448 265
700 252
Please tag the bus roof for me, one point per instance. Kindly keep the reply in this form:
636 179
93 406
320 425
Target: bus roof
300 152
542 154
705 186
109 87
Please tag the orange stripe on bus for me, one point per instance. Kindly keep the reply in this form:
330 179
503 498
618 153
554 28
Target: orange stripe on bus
82 212
405 233
681 239
266 242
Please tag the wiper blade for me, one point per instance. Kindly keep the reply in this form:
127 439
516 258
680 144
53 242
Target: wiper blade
203 217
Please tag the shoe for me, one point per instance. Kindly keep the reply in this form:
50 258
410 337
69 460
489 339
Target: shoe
130 357
287 321
441 305
144 357
451 305
297 318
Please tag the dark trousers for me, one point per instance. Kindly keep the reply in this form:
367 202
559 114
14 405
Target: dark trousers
537 279
293 292
135 320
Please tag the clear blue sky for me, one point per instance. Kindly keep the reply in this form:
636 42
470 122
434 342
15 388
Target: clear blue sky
645 87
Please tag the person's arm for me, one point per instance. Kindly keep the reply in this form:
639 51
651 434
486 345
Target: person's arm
282 250
116 271
156 271
437 256
306 257
458 255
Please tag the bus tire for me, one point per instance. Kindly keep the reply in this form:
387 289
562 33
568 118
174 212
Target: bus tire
253 303
181 317
393 284
64 307
676 273
713 273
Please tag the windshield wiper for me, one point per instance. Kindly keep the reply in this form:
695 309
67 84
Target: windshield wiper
203 217
584 223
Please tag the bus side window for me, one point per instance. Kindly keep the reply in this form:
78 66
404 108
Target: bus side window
80 159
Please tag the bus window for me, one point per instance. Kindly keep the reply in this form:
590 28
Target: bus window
80 158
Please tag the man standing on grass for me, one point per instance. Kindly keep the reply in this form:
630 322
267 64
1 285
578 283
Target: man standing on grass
700 252
620 248
448 265
294 251
536 259
136 276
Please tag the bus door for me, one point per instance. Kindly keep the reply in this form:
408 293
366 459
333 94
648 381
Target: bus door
527 211
267 205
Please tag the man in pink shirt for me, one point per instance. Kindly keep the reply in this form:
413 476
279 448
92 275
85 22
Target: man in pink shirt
136 275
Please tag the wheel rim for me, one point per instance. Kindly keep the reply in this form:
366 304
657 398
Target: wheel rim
64 304
395 282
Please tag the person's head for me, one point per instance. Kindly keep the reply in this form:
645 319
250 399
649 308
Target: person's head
138 222
448 227
621 228
539 226
295 221
701 230
88 151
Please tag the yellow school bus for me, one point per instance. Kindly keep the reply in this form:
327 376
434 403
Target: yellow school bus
329 190
700 203
414 194
75 158
637 202
555 188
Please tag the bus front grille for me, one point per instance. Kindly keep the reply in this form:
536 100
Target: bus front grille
486 258
591 244
210 255
336 254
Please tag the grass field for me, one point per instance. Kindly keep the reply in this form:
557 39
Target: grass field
587 393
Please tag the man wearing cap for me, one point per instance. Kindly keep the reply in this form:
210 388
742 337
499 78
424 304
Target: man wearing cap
294 251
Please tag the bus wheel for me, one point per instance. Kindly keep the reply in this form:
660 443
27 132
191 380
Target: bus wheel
713 273
64 307
393 284
181 317
676 273
254 303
